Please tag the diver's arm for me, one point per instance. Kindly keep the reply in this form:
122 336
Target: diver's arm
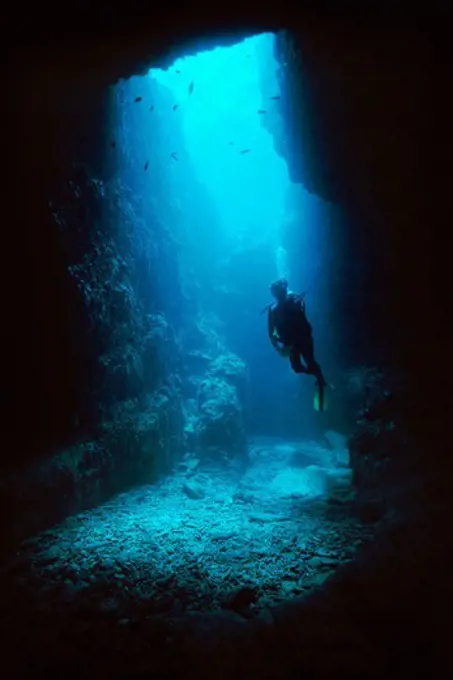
271 326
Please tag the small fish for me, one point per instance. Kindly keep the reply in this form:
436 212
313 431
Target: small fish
261 111
230 143
277 96
191 87
245 151
146 166
178 71
138 99
175 107
113 144
151 108
174 155
247 56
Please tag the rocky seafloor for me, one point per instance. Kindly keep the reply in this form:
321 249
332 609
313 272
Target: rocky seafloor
124 585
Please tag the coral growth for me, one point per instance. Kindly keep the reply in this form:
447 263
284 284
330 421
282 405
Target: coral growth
220 422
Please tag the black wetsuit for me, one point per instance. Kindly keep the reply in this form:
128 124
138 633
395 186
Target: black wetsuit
289 320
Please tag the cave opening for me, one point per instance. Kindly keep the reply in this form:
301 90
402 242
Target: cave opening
201 480
212 121
235 480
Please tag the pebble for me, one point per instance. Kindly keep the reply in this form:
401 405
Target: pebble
318 579
288 586
222 535
193 490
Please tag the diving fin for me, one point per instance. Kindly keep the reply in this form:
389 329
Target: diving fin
320 398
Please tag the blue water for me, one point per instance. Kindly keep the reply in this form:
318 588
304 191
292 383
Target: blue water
199 156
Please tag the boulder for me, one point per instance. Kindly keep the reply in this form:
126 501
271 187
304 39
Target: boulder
220 422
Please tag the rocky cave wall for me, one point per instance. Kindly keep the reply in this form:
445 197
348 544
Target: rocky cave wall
354 102
125 370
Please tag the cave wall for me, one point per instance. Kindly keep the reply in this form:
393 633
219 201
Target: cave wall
86 312
96 402
50 319
113 302
353 126
354 97
185 252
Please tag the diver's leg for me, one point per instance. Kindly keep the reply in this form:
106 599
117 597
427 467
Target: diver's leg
308 353
296 362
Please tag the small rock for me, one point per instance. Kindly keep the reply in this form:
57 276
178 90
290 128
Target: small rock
262 518
323 554
236 555
315 580
243 497
315 562
287 547
52 555
242 599
108 564
222 535
96 546
329 561
288 586
320 562
193 490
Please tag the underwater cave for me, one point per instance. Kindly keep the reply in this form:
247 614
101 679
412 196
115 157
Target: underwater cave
178 485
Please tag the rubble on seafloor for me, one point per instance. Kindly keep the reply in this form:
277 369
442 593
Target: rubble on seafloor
209 538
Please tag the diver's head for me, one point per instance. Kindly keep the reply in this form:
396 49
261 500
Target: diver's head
279 289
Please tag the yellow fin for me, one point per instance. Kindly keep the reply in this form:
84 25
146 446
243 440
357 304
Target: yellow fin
320 402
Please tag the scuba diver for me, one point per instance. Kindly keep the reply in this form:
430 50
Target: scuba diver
291 335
